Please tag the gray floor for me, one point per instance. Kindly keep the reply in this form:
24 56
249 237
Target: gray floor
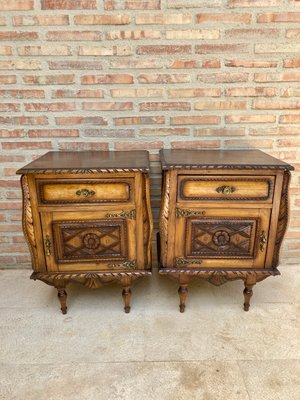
213 351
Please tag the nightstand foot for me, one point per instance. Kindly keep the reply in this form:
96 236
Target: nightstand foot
248 292
183 292
126 294
62 297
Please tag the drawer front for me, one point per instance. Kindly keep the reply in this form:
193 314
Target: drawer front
218 188
85 191
88 241
222 238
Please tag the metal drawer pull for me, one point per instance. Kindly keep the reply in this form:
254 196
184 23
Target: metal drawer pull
225 189
48 245
262 241
85 192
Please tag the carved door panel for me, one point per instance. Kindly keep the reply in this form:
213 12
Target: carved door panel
89 240
218 238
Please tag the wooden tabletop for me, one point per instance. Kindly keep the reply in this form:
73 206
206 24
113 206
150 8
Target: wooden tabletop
89 161
241 159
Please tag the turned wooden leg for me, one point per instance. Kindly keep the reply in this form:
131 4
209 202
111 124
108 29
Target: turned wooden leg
183 292
248 292
126 294
62 297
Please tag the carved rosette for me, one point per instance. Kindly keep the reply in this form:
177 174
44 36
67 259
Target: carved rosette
164 215
282 218
27 221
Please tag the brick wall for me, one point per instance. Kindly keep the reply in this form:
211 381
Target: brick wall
132 74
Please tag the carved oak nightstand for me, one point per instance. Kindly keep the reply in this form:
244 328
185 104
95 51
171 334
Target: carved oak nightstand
87 219
223 216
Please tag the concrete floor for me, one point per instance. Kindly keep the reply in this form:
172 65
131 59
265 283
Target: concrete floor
213 351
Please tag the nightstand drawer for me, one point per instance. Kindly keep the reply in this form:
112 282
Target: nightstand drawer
229 188
66 191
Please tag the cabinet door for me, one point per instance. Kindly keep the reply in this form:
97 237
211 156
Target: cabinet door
221 238
103 240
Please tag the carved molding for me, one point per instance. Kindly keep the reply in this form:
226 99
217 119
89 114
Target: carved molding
80 171
27 221
147 220
164 217
92 280
128 264
179 262
123 214
219 277
226 166
282 218
184 213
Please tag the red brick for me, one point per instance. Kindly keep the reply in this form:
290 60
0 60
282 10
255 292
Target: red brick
253 33
251 92
44 50
195 120
49 79
73 35
211 64
72 65
133 35
26 145
245 144
109 133
2 20
164 49
16 5
136 64
196 144
220 105
143 4
164 78
224 18
290 119
164 131
288 143
279 17
219 132
22 94
193 34
139 92
138 146
224 77
9 107
165 106
291 92
222 48
13 35
24 120
40 20
279 130
50 107
292 63
163 19
41 133
80 146
12 133
106 79
20 65
124 50
250 119
102 19
292 33
107 106
254 3
277 77
276 105
5 51
8 79
80 120
250 63
139 120
197 92
68 4
182 64
87 93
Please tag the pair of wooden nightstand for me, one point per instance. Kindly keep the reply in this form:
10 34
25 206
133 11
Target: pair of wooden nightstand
87 218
